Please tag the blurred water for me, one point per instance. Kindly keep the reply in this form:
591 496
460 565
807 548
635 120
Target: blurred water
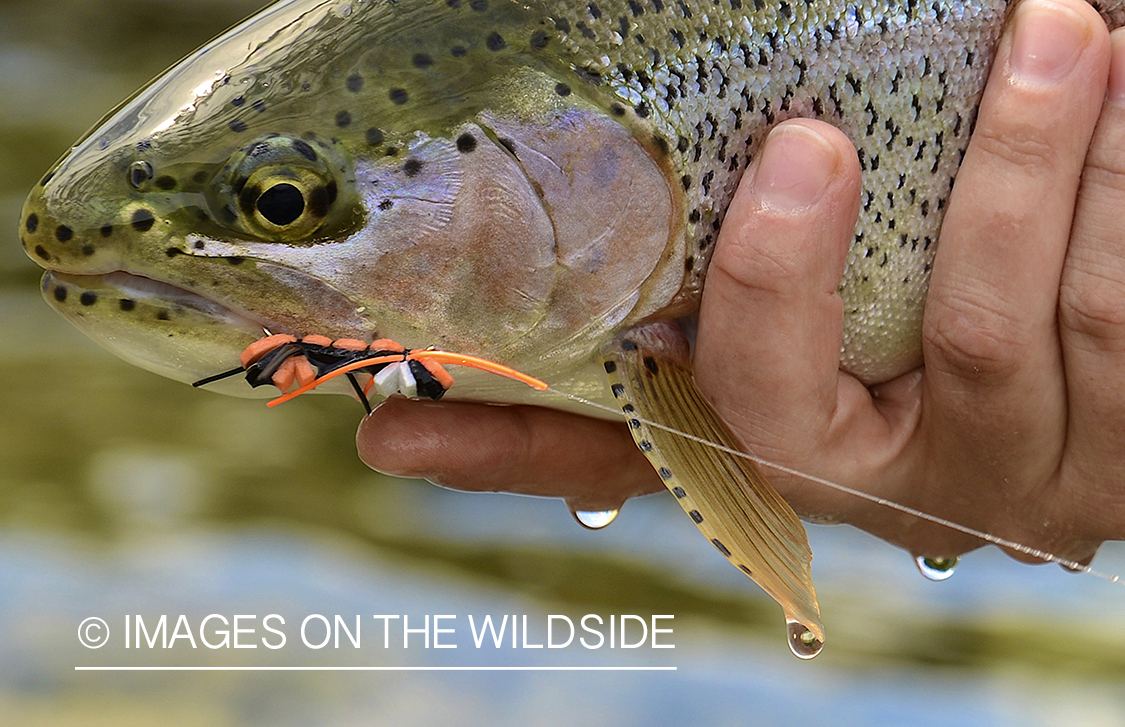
121 493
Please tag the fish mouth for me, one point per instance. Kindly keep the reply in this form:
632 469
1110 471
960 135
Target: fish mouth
131 290
159 326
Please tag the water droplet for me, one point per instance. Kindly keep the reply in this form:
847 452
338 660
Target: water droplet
802 642
935 569
594 519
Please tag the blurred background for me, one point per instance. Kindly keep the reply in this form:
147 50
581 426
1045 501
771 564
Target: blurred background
122 493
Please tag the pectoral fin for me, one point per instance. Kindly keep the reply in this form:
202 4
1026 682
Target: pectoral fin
727 498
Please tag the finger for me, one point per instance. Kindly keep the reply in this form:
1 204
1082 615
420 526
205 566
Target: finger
1092 315
994 385
768 346
591 462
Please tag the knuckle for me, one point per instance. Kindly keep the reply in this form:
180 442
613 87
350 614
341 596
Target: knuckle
766 268
1095 311
1016 145
972 339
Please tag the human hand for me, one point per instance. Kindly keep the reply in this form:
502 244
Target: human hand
1013 427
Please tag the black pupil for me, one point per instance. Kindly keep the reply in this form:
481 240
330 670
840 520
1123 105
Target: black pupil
281 204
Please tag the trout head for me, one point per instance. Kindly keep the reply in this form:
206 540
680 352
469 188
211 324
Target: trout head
433 174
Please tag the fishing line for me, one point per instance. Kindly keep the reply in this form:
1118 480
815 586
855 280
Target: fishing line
993 539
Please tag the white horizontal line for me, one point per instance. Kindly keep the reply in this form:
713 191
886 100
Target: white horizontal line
375 669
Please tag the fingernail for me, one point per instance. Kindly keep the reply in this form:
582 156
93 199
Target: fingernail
1049 39
795 168
1116 92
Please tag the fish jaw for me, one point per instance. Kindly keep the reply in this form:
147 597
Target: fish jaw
183 333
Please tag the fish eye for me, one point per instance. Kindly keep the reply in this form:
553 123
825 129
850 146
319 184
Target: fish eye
282 204
280 189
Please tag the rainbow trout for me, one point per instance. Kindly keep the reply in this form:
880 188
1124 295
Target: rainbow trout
539 183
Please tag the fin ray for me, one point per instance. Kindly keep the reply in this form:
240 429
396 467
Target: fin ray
726 497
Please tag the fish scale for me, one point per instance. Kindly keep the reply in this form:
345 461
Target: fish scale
901 79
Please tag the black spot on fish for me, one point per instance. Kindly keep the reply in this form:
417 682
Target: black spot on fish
539 40
628 408
354 83
162 316
199 244
200 177
87 250
399 96
391 151
665 473
478 5
88 297
386 205
650 364
375 136
42 253
458 51
126 304
685 182
173 252
679 493
689 263
617 109
166 182
305 149
694 216
618 390
60 294
235 259
610 367
412 167
628 345
696 516
32 223
645 445
466 143
746 570
259 105
421 60
562 89
722 548
635 423
63 233
343 119
495 42
143 220
238 102
562 24
642 110
237 125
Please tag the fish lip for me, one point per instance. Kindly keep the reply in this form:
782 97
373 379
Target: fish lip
143 288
